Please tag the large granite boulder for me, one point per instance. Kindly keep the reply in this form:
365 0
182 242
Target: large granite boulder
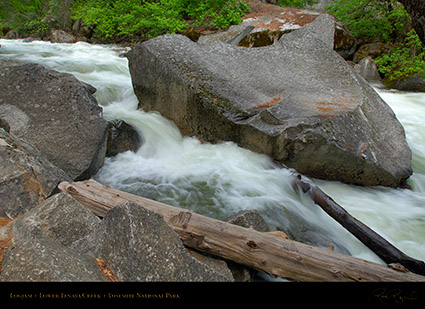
57 114
27 177
297 101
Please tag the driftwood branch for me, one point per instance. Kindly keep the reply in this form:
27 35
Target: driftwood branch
381 247
262 251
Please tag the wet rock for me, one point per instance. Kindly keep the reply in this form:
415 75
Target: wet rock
60 36
57 114
122 137
249 219
297 101
27 177
368 70
411 83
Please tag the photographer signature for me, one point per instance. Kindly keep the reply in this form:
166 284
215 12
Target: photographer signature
383 295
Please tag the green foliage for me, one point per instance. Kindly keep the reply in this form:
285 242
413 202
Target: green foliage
406 60
372 20
221 13
384 21
120 17
152 18
296 3
34 16
130 17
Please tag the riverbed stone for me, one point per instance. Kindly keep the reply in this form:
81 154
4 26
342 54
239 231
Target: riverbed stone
122 137
415 82
249 219
368 70
297 101
60 36
55 113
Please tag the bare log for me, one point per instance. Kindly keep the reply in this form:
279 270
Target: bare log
262 251
380 246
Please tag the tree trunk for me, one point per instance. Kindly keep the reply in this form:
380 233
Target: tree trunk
385 250
416 10
262 251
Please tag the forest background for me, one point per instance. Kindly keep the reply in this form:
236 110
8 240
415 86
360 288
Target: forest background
111 21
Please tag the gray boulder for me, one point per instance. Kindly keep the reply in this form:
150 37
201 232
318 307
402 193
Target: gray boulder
297 101
249 219
414 82
60 36
57 114
139 246
60 240
27 177
41 244
368 70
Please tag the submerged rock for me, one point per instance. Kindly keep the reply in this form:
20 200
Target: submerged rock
297 101
57 114
122 137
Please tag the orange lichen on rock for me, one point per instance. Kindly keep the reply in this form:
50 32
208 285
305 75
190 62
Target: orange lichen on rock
336 107
109 274
5 240
271 103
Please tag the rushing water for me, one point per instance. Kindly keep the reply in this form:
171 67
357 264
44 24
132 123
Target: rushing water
219 180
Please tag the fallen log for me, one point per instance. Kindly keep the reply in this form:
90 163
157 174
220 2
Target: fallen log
380 246
262 251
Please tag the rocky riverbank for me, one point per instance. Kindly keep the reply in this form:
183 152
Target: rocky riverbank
52 130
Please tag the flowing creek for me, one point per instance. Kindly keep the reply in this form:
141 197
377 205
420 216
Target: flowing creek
222 179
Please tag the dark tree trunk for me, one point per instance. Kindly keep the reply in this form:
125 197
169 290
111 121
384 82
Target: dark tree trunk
416 10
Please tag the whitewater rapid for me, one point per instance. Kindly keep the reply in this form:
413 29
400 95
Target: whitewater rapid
222 179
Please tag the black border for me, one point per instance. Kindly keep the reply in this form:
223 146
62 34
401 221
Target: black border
249 293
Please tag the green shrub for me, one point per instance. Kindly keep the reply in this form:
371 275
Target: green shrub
152 18
371 20
384 21
406 60
221 13
296 3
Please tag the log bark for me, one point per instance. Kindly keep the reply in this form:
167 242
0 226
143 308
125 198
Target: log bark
262 251
381 247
